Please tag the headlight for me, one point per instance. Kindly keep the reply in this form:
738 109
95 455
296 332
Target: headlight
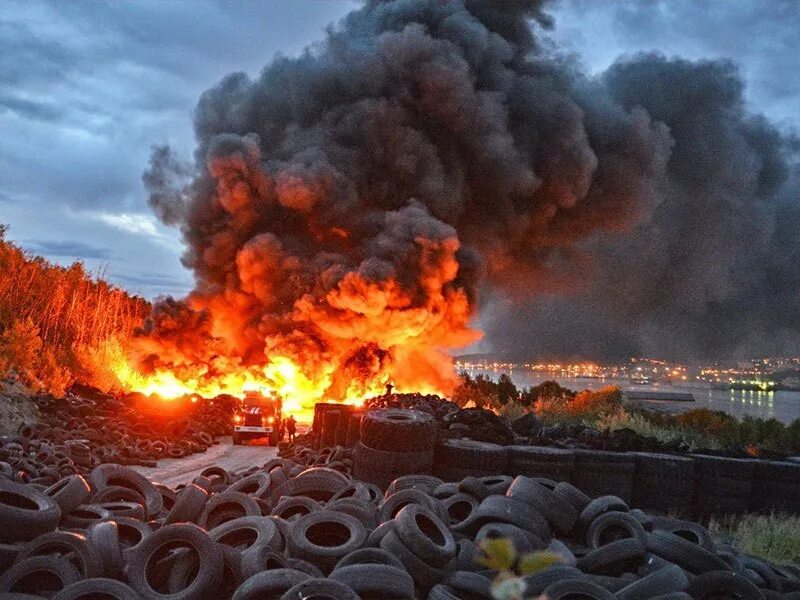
271 420
237 418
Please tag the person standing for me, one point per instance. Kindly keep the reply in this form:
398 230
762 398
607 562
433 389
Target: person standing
291 427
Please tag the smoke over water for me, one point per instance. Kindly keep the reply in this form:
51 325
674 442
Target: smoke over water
345 207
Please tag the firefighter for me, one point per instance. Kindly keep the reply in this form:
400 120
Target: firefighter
291 427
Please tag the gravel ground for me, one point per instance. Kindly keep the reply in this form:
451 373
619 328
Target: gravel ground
173 471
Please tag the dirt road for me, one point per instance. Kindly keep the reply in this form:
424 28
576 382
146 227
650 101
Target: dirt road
173 471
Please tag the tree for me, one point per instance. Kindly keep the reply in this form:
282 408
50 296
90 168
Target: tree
506 390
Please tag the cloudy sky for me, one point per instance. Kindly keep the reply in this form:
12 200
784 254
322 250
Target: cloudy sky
86 88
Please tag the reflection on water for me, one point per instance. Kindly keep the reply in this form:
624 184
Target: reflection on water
784 406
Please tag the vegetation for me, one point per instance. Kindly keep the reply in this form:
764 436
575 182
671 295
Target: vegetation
55 321
499 554
775 538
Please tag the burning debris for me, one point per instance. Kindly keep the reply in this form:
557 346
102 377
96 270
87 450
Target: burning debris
345 205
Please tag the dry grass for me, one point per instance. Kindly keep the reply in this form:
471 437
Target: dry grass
773 537
623 419
52 316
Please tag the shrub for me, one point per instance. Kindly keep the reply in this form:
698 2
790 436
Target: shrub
585 405
775 537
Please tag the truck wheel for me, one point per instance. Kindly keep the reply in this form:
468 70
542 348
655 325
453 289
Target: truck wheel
237 440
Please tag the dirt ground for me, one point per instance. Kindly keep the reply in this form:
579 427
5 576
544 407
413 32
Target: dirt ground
16 407
173 471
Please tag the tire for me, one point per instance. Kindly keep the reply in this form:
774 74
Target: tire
466 558
684 553
613 559
612 526
576 589
460 508
663 482
247 532
538 582
466 583
394 503
473 486
28 575
227 506
133 510
369 556
421 531
599 506
108 589
688 530
189 505
324 537
104 538
522 540
664 581
209 569
376 535
106 475
25 513
270 584
560 514
507 510
131 533
482 458
424 483
497 484
320 588
69 493
70 546
261 558
376 581
256 484
540 461
318 483
716 584
599 473
398 430
294 507
366 513
354 491
424 574
572 495
381 468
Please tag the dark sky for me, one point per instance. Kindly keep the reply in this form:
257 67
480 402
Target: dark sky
86 88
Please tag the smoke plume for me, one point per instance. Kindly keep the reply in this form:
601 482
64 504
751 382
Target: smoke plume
347 205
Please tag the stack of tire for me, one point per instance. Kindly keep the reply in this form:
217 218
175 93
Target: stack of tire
394 442
664 482
600 473
542 461
456 459
776 487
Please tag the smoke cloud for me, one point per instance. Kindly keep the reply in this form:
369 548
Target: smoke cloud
348 204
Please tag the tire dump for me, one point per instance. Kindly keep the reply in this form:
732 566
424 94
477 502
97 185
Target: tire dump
392 501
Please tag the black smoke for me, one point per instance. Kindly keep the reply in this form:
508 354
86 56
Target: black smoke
638 209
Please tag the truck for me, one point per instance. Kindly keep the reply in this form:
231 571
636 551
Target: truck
258 415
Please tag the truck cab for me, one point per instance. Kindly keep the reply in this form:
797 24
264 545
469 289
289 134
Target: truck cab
258 415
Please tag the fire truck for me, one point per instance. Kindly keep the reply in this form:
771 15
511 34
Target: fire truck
258 415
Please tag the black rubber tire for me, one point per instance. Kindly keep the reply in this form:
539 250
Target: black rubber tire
577 589
497 484
132 510
480 457
442 592
684 553
25 513
466 558
332 536
398 430
614 558
369 556
320 589
209 569
538 582
422 532
460 508
688 530
376 535
117 493
225 507
189 505
507 510
771 579
36 575
318 483
424 483
522 540
246 532
392 505
376 581
91 589
540 461
71 546
104 538
364 512
270 584
716 584
256 484
216 472
424 574
446 490
381 468
664 581
354 491
573 495
294 507
131 533
69 492
109 474
560 514
468 584
261 558
473 486
601 505
600 473
613 526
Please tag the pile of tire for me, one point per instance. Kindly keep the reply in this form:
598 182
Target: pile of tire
285 531
394 442
74 434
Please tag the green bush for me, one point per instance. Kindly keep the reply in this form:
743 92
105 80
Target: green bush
775 537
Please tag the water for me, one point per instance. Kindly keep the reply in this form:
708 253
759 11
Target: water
784 406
